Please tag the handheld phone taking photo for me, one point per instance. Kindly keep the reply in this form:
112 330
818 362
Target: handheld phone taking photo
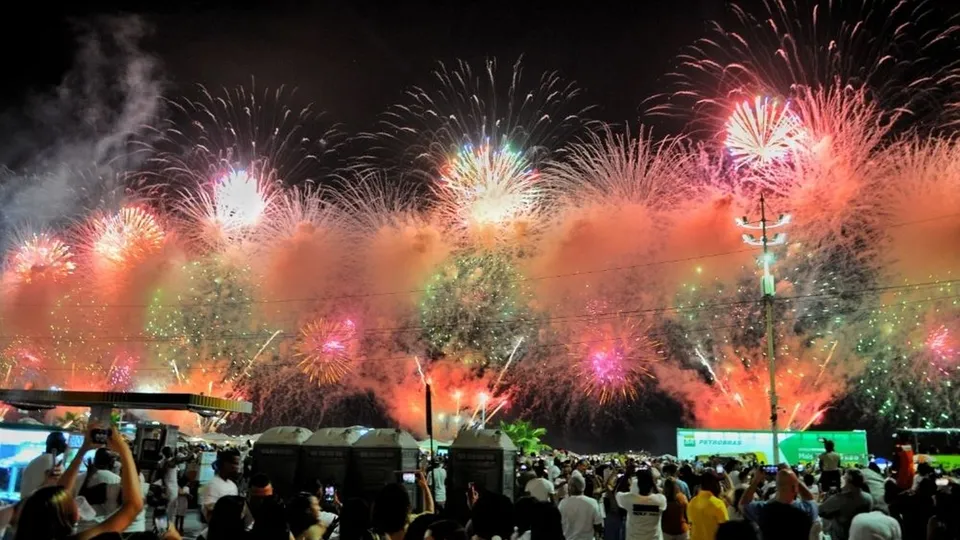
409 478
99 436
328 493
162 523
720 469
770 470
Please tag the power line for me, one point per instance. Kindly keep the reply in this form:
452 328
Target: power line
419 291
534 321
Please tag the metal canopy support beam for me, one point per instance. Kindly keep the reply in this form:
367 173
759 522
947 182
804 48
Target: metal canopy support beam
45 399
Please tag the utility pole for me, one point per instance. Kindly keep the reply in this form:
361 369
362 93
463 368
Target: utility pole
768 286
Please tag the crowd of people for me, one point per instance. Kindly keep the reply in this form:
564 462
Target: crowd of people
649 498
558 497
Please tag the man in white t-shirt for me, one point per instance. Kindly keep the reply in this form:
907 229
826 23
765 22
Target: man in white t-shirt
874 526
222 484
228 466
39 469
580 514
540 488
100 488
644 507
437 479
553 471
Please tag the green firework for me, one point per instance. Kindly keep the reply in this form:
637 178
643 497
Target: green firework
476 308
208 320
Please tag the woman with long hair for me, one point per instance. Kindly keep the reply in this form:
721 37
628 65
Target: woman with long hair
51 512
674 521
226 519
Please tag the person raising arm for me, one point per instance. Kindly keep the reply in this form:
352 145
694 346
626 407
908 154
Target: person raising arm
129 482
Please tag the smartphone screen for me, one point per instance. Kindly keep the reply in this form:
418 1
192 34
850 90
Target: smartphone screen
99 436
770 469
328 493
720 469
409 478
162 523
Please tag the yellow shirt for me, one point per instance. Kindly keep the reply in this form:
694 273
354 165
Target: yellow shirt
705 513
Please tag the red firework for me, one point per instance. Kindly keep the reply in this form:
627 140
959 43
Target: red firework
326 348
41 256
126 236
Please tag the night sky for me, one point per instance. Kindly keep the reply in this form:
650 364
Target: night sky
353 59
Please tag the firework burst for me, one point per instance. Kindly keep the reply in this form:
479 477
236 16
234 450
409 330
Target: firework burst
486 188
326 348
762 131
244 128
20 364
616 169
615 360
229 209
398 245
41 256
295 212
121 373
892 48
125 237
469 106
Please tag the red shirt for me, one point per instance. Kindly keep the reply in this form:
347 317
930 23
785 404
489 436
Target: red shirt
904 466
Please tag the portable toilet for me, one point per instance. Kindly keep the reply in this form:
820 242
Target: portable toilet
485 458
325 458
276 454
380 457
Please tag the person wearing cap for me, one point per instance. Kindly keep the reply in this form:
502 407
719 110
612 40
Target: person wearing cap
41 467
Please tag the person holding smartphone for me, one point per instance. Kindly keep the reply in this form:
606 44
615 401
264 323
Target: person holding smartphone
51 512
41 467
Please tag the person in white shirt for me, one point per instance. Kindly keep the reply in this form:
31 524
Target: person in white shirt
874 526
140 522
554 470
100 488
829 468
540 488
644 507
36 472
222 484
169 470
437 479
580 514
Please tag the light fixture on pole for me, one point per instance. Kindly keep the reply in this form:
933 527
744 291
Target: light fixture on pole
768 287
483 409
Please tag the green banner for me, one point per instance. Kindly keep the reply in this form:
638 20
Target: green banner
795 446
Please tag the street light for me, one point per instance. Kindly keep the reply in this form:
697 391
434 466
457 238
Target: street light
768 286
483 409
